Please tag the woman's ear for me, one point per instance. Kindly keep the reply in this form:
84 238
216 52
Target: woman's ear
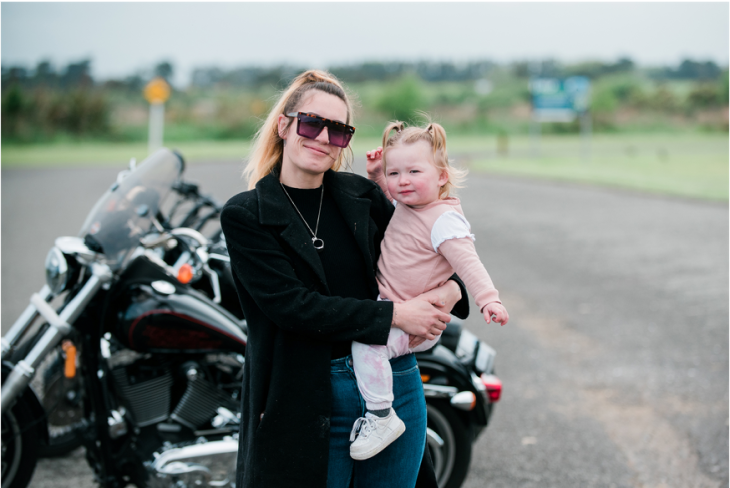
283 123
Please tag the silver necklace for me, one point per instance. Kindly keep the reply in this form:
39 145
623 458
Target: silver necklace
316 241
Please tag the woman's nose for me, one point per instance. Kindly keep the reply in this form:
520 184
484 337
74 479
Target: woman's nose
323 137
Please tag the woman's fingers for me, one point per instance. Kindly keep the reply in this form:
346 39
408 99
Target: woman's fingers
420 318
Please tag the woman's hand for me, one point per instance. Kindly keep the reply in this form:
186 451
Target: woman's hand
419 317
500 313
444 297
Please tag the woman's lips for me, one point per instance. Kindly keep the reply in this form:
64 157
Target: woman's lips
318 150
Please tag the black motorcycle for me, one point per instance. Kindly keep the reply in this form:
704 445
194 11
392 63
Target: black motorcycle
141 312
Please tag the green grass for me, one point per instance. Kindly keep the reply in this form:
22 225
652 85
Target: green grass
96 154
691 165
687 165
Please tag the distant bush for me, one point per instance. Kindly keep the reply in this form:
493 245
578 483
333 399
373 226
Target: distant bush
403 99
42 114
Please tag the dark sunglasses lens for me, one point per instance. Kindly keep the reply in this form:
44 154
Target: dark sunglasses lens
309 127
339 136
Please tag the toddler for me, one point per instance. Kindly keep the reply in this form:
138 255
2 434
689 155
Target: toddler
427 240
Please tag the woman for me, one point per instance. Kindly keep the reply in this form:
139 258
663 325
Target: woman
304 241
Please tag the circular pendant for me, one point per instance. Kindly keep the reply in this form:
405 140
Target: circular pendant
318 243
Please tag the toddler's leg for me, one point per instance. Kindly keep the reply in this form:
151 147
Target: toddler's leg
372 369
380 426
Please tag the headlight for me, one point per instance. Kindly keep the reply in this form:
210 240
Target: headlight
56 271
468 343
484 362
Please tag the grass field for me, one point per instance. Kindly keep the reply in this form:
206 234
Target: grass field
688 165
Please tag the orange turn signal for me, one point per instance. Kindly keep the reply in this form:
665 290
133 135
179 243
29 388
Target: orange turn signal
185 273
425 378
69 370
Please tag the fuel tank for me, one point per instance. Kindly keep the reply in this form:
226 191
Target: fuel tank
155 313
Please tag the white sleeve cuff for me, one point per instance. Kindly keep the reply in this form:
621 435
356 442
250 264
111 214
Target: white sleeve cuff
450 225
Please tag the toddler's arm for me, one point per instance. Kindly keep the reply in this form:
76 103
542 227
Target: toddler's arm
462 256
374 168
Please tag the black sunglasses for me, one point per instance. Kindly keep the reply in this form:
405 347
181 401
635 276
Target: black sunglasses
311 126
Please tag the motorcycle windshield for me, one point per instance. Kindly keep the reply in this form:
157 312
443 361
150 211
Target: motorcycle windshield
124 213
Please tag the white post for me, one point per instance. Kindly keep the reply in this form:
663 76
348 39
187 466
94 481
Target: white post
535 133
157 126
586 130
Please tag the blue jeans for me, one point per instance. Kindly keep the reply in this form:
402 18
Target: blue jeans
396 466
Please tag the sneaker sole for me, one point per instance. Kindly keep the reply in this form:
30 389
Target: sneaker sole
361 456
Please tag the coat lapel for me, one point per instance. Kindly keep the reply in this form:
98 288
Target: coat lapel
346 190
275 210
355 210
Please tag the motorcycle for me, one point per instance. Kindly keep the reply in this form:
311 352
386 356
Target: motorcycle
152 343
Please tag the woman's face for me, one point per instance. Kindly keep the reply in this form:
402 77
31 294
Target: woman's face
305 160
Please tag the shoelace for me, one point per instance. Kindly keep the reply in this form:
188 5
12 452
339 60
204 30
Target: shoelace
363 426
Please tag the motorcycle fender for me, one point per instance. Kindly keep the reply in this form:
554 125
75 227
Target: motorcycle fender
440 363
31 400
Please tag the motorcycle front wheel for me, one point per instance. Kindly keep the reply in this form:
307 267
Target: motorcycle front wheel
449 443
61 398
19 445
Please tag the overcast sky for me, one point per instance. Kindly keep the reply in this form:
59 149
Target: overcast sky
122 38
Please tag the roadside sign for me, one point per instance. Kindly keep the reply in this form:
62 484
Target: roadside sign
556 100
157 91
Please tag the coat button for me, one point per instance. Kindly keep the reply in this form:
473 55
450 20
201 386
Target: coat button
349 362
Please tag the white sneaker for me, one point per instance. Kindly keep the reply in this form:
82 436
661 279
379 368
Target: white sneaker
374 434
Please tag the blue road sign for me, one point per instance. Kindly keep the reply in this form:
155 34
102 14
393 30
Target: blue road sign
556 100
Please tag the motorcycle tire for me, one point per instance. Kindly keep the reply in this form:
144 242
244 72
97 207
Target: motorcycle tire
61 397
19 445
450 443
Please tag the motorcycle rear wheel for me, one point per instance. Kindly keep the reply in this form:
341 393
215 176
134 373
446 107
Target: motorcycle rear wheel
19 445
452 455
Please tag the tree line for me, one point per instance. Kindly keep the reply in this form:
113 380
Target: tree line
45 104
79 74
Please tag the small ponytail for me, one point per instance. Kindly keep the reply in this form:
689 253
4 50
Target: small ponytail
435 135
396 125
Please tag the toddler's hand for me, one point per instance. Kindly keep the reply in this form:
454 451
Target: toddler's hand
500 313
374 164
415 340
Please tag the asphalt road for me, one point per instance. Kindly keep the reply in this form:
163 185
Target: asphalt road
615 360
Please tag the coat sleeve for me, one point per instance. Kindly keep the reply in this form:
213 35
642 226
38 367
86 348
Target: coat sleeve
265 270
461 309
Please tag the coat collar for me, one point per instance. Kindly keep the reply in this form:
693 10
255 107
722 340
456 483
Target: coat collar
347 191
275 209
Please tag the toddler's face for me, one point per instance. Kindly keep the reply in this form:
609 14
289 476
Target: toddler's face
412 176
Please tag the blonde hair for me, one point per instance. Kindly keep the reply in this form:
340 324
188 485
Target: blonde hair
435 136
267 148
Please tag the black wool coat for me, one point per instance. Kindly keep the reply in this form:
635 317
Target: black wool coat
293 321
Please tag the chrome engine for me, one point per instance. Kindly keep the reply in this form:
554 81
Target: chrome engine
206 464
198 425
